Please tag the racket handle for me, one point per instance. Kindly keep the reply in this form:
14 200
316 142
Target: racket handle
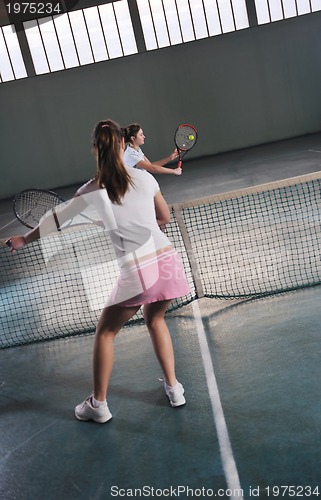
179 164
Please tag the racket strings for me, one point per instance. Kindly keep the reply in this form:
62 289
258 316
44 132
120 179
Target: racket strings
31 205
185 137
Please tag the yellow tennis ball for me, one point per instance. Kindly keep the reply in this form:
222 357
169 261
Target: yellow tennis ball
191 137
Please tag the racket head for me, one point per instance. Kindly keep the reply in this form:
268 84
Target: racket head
32 204
185 137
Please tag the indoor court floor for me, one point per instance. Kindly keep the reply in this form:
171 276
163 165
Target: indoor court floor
251 371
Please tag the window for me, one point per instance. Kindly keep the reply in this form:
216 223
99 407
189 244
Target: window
169 22
80 37
104 32
11 62
275 10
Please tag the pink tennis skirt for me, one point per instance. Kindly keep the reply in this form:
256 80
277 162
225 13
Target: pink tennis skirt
159 277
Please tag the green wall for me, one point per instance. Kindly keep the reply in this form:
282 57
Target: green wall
240 89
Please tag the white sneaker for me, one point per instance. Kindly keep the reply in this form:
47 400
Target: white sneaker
175 394
85 411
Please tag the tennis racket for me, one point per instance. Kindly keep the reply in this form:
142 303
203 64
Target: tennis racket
32 204
185 138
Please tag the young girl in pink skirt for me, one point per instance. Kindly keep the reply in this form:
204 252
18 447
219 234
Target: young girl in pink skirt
133 210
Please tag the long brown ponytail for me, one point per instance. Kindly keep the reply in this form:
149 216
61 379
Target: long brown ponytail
111 172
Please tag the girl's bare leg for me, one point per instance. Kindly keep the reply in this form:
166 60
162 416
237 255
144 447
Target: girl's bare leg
154 316
112 319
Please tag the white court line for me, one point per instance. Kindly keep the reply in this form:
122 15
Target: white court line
229 466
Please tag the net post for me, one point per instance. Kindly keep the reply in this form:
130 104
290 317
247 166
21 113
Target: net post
189 251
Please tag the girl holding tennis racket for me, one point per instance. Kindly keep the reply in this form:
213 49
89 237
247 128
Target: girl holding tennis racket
151 272
134 156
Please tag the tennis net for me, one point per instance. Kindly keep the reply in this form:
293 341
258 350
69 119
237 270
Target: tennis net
250 243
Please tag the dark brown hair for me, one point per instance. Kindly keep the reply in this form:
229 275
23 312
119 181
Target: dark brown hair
111 171
131 130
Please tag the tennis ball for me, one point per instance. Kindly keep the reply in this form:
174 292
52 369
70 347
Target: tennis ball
191 137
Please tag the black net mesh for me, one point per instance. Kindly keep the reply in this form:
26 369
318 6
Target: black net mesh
252 243
57 286
258 244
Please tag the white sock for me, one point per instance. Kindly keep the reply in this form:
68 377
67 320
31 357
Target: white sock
97 403
172 386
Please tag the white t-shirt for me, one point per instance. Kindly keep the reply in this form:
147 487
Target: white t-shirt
132 225
133 156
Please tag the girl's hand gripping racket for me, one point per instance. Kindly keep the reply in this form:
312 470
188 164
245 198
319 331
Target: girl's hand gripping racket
185 138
